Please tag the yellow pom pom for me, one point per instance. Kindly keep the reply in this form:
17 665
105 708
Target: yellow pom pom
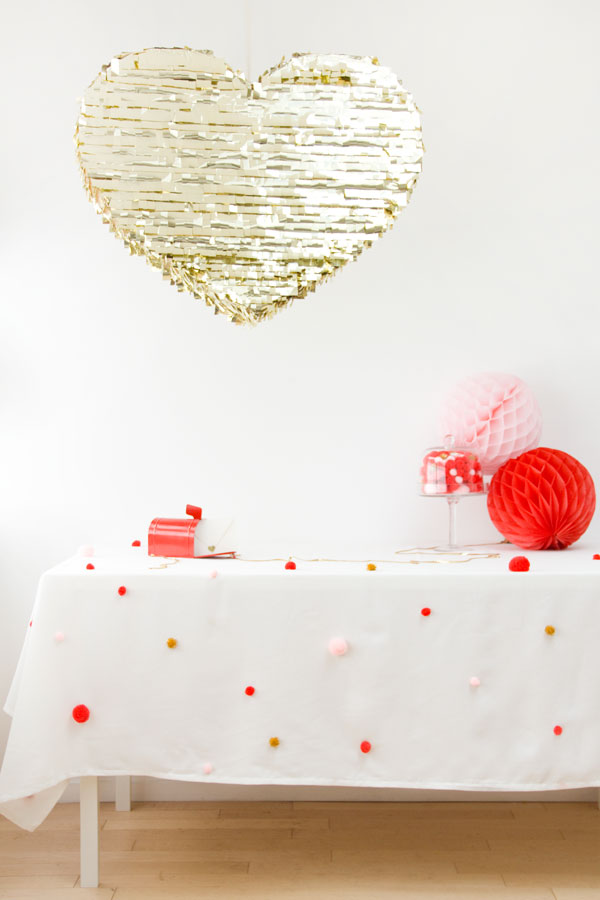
371 567
274 741
171 642
550 629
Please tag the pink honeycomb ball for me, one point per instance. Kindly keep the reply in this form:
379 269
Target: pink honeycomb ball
493 414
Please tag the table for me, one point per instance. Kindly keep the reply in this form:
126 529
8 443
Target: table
457 674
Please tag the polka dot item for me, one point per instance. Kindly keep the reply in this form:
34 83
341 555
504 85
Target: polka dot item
207 768
549 629
90 566
274 741
474 681
122 591
290 564
85 550
171 642
136 543
558 730
81 713
371 567
249 690
338 646
365 747
425 611
448 471
519 564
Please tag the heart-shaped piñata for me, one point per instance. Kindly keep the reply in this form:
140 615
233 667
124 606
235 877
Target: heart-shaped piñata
247 195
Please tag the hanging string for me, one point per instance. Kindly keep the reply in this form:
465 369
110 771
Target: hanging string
248 30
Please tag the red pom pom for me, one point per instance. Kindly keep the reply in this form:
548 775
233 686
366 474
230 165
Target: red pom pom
81 713
122 591
30 622
249 690
425 611
519 564
290 565
543 500
596 556
90 566
365 746
136 543
557 729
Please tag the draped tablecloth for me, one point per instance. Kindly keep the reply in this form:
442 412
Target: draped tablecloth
497 688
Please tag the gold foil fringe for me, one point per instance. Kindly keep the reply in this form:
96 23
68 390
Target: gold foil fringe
247 195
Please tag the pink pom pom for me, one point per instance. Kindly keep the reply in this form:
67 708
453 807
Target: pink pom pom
474 681
213 574
207 768
493 414
338 646
59 637
85 550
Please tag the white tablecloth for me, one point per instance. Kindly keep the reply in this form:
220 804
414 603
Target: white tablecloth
404 684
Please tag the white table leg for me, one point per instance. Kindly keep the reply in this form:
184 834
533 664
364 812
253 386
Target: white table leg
123 793
88 830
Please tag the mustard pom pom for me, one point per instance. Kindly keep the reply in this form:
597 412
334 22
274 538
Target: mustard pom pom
550 629
371 567
171 642
274 741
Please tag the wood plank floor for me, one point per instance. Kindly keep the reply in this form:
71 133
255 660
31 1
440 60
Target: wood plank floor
200 851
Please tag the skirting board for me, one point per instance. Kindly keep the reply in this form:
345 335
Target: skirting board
158 789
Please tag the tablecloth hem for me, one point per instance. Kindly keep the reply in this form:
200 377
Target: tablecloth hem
400 785
31 809
198 778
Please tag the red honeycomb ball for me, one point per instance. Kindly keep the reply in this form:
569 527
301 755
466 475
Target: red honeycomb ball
542 500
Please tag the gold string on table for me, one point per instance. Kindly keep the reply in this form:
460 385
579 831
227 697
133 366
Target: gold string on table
165 565
460 556
465 556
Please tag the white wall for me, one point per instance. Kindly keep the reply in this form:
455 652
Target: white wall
122 400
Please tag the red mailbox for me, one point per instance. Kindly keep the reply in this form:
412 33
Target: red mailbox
174 537
179 538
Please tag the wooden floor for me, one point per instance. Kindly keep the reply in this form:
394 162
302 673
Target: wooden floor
200 851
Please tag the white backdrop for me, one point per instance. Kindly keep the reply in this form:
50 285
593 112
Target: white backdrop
122 399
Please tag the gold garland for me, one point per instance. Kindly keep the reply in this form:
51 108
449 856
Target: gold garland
465 556
165 565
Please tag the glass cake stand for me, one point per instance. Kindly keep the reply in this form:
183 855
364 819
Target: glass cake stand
451 473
